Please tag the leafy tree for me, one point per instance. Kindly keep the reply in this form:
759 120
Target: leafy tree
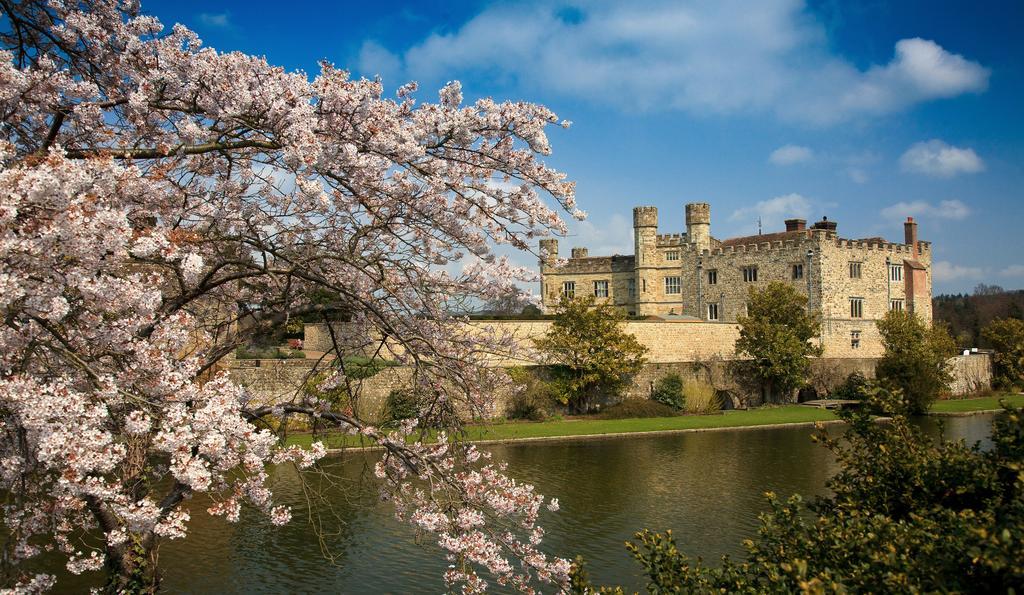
591 350
906 515
161 204
777 335
915 358
1006 336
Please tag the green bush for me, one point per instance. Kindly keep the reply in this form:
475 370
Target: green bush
851 389
532 398
669 391
268 353
632 408
903 514
360 368
402 403
701 397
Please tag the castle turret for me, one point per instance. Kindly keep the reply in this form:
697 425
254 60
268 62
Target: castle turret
579 252
698 224
645 235
548 252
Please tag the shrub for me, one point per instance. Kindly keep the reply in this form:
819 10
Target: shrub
267 353
360 368
852 388
669 391
700 397
402 403
632 408
904 514
532 398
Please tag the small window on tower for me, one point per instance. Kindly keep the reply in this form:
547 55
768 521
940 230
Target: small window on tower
569 289
798 271
750 274
712 277
712 311
854 339
671 285
895 272
856 307
855 270
631 287
896 305
672 255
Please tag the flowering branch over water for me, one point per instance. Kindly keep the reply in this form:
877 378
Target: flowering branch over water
160 204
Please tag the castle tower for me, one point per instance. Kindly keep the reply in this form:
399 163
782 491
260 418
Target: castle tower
698 224
548 257
645 236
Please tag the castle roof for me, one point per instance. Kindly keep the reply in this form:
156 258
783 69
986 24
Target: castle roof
765 237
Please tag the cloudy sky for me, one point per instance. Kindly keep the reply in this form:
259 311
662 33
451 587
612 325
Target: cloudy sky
863 111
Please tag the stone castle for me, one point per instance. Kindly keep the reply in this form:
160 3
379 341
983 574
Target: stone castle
696 277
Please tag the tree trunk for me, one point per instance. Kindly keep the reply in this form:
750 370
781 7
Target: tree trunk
132 568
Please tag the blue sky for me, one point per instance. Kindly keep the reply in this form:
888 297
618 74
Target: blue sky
863 111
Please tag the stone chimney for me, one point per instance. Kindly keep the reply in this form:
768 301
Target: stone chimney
579 252
910 235
796 224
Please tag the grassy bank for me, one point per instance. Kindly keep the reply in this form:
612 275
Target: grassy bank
979 404
764 416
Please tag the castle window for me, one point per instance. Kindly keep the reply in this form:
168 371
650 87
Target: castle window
601 289
896 305
672 255
855 270
712 311
569 289
856 307
631 287
712 277
671 284
645 285
895 272
854 339
750 274
798 271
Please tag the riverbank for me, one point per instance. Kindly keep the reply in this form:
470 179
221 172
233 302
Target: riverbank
577 428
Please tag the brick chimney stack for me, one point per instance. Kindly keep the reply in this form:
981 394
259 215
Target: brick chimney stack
910 236
796 224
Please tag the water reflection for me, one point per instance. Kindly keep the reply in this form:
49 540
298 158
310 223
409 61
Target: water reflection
707 487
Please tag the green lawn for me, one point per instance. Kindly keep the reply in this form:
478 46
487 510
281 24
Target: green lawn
787 414
981 404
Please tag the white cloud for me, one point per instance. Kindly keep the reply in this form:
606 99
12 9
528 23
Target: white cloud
710 58
946 271
210 19
374 59
954 210
858 175
772 211
790 155
601 238
1014 270
938 159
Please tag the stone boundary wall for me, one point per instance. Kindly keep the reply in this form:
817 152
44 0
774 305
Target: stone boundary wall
666 341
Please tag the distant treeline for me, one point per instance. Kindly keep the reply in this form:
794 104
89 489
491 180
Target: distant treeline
968 314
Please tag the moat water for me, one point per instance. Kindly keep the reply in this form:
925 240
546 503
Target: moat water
707 487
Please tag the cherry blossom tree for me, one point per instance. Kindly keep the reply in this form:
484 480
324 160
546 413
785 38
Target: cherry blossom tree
161 203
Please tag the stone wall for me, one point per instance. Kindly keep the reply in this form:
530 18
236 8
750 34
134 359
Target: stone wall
971 373
667 341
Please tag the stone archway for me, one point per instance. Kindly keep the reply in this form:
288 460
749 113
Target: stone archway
726 401
807 393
